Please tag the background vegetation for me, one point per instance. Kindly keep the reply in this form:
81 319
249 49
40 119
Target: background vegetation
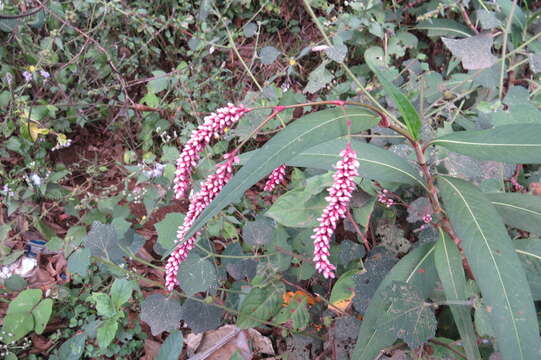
97 98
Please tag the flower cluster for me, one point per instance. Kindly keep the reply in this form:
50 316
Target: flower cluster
383 197
427 218
338 201
213 126
209 189
27 75
276 177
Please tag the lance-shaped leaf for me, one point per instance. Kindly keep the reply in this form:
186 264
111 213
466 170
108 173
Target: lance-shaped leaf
375 163
416 268
529 251
407 110
496 267
451 272
304 133
519 144
518 210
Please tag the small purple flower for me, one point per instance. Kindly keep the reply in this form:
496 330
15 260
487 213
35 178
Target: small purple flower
27 75
45 74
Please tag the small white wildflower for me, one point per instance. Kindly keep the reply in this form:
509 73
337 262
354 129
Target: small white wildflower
320 48
36 180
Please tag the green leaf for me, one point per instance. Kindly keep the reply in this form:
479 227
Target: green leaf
409 317
522 211
295 314
519 144
121 291
415 268
79 262
19 320
167 230
297 208
529 252
159 84
496 267
73 348
16 326
450 270
409 114
318 79
375 163
269 54
196 274
343 288
200 316
171 347
260 305
258 232
304 133
104 307
106 333
444 27
161 313
42 313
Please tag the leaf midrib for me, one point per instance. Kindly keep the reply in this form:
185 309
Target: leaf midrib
369 161
517 207
437 141
494 262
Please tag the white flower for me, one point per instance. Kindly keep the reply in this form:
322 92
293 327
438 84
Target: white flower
36 180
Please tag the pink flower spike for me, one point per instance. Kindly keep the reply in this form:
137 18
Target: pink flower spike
210 188
214 125
338 201
276 177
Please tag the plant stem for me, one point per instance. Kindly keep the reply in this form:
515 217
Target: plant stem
344 66
504 47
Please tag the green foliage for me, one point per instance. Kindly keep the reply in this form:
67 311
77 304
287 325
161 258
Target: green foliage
27 312
97 99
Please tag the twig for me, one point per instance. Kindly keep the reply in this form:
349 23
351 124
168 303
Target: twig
358 230
467 20
441 343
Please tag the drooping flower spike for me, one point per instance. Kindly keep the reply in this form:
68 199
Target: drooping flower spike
209 189
276 177
214 125
338 201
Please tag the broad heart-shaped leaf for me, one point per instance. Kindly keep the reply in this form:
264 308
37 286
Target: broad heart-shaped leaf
196 274
106 332
409 114
200 316
518 210
496 267
304 133
73 348
260 304
451 272
529 251
161 313
103 242
416 268
409 317
518 144
374 162
42 313
171 347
